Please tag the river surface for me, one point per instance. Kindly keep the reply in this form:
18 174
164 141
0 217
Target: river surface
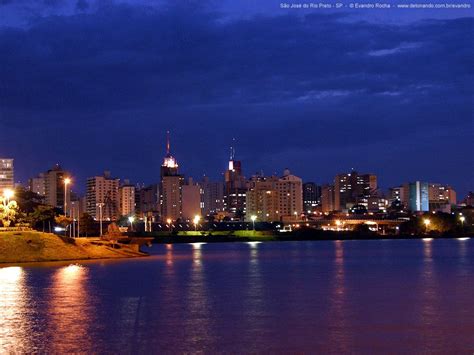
394 296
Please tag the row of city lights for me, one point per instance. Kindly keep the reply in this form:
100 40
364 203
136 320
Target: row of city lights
9 193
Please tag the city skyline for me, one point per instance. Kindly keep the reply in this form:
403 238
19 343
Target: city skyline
236 176
395 99
80 184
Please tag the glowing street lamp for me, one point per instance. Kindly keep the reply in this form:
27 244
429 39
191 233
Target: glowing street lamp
196 221
253 219
427 222
100 205
67 181
131 219
8 194
462 219
168 221
338 224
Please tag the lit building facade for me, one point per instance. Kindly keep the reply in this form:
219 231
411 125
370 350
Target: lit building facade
127 199
275 198
262 199
6 174
212 196
235 188
103 194
37 185
441 197
290 190
51 185
353 188
170 187
171 197
311 196
418 196
327 198
147 200
191 200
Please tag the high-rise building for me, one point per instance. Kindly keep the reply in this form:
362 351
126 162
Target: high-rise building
327 198
191 200
171 197
235 187
418 196
290 189
77 206
170 187
311 196
212 197
103 196
468 200
127 199
147 200
441 197
37 185
6 174
51 185
275 199
170 165
398 195
262 199
353 188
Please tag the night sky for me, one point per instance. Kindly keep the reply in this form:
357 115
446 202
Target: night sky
94 85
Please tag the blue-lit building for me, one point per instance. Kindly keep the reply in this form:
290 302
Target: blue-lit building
418 196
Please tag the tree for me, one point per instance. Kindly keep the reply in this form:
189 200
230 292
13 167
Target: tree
8 212
63 221
87 223
122 221
41 214
28 200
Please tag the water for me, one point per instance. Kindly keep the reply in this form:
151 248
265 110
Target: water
352 296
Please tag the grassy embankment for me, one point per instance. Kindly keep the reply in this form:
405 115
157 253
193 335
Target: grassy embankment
18 247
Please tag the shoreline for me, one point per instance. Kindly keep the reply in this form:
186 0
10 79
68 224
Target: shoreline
313 236
37 247
70 261
126 252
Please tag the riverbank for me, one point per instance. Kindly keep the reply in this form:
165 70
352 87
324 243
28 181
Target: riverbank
269 236
32 246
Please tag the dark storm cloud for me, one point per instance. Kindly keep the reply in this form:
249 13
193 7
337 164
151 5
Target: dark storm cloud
301 83
127 57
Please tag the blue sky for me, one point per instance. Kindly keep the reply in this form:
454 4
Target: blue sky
94 85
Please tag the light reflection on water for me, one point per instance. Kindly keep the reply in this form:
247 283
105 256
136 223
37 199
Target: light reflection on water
331 297
14 301
338 337
70 310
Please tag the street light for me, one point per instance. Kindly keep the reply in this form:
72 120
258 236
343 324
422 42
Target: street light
131 219
100 205
462 219
253 219
8 194
427 222
168 221
338 223
67 181
196 221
